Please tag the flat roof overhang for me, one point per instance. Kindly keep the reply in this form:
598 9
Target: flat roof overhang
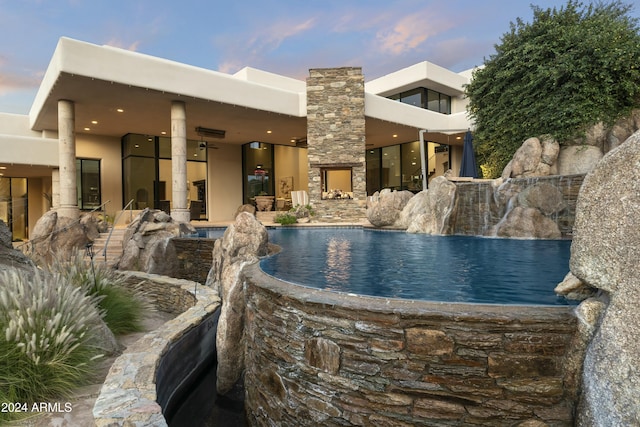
102 80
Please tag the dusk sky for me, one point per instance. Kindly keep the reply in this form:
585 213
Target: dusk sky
281 36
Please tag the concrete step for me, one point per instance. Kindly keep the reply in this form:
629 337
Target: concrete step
114 248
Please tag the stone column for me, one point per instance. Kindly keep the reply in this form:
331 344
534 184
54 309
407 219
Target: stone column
55 188
179 208
336 138
67 160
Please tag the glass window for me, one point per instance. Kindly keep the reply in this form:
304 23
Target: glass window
139 178
413 97
147 172
433 100
139 145
391 176
13 206
258 170
445 104
88 183
164 147
373 171
411 166
438 159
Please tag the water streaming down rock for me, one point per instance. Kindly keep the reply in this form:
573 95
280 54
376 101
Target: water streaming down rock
483 208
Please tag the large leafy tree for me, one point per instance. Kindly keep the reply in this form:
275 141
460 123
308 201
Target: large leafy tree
567 70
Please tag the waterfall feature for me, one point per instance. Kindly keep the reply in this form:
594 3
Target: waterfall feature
485 208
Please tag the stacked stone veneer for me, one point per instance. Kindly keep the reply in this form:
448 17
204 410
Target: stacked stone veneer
129 394
321 358
336 138
194 258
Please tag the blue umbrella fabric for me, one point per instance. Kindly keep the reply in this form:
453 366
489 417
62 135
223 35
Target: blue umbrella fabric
468 167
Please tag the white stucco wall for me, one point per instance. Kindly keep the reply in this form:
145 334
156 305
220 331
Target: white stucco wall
224 182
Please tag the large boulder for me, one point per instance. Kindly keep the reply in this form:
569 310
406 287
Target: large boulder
578 159
523 222
147 243
414 207
604 255
61 236
435 208
544 197
535 157
244 242
385 206
10 257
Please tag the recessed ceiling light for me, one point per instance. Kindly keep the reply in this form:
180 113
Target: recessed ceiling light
163 132
87 129
395 135
268 131
120 110
94 122
3 167
137 146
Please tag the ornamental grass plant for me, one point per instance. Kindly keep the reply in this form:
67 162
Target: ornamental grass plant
46 325
122 308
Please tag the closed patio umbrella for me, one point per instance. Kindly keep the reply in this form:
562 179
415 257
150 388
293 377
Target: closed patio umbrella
468 167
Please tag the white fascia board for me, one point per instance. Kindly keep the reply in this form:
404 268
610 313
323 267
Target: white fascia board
422 74
30 151
408 115
266 78
135 69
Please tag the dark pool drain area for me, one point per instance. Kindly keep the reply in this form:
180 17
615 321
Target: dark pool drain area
186 382
201 406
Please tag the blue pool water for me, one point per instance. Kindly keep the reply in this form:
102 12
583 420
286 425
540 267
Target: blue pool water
422 267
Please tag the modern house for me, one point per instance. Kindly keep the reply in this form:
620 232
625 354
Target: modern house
109 126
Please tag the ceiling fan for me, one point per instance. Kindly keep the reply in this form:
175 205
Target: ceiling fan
203 144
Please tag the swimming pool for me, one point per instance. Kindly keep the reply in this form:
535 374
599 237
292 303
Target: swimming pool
421 267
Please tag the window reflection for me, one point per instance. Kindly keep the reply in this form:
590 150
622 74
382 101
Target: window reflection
337 269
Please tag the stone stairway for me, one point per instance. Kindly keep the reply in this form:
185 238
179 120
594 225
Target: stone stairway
114 249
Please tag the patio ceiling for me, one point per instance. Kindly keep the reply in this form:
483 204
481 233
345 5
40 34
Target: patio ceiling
147 111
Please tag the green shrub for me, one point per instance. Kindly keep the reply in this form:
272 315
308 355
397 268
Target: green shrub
120 307
568 69
286 218
46 325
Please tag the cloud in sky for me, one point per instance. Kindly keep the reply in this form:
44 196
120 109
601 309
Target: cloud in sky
238 51
410 32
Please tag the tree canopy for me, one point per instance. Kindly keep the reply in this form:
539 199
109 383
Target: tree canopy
568 69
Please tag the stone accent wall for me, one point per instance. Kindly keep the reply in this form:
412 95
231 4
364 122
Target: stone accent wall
336 138
321 358
195 256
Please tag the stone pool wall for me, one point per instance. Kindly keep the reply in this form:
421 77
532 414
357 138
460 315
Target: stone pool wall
130 394
322 358
194 258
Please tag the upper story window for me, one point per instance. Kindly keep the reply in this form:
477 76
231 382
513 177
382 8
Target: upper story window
425 98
